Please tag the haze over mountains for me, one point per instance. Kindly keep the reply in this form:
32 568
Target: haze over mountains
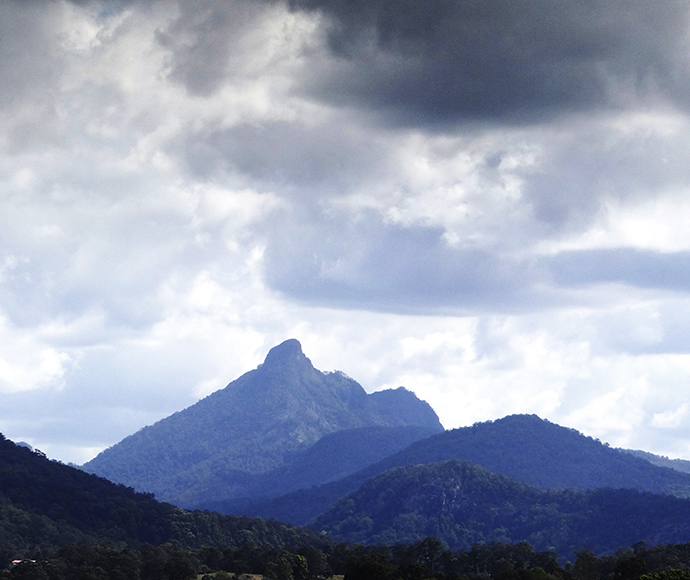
289 442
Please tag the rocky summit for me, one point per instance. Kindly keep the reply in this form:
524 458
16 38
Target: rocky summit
265 419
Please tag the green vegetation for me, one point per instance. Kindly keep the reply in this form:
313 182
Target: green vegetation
63 524
524 447
463 504
682 465
332 457
44 504
424 560
541 453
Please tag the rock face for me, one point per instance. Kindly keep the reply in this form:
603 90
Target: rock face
254 425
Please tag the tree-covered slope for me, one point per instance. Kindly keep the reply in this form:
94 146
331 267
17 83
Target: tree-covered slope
332 457
682 465
542 453
462 503
254 425
45 503
524 447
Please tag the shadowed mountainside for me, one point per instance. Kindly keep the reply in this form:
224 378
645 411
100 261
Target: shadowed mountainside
682 465
44 504
524 447
332 457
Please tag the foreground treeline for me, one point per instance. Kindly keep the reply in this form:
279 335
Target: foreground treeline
424 560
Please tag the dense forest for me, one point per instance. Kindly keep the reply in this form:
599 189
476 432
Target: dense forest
44 504
523 447
428 559
463 504
62 523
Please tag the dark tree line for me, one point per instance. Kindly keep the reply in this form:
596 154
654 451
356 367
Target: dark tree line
424 560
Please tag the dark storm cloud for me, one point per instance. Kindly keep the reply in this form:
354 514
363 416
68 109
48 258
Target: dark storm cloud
429 65
441 61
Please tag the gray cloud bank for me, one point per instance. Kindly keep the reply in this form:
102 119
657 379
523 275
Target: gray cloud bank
443 62
484 201
456 69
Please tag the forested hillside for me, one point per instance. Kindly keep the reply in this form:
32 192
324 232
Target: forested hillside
256 424
682 465
542 453
462 504
82 526
332 457
77 525
45 503
524 447
428 559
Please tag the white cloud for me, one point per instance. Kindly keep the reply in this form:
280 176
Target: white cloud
670 419
28 363
176 197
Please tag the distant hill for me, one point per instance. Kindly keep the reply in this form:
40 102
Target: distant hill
542 453
682 465
44 503
524 447
258 423
462 503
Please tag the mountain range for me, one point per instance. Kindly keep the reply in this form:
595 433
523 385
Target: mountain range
524 447
45 505
289 442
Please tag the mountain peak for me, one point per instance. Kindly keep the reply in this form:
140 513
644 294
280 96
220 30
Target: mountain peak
287 353
252 426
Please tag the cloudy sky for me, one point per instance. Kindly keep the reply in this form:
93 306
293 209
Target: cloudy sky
486 201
